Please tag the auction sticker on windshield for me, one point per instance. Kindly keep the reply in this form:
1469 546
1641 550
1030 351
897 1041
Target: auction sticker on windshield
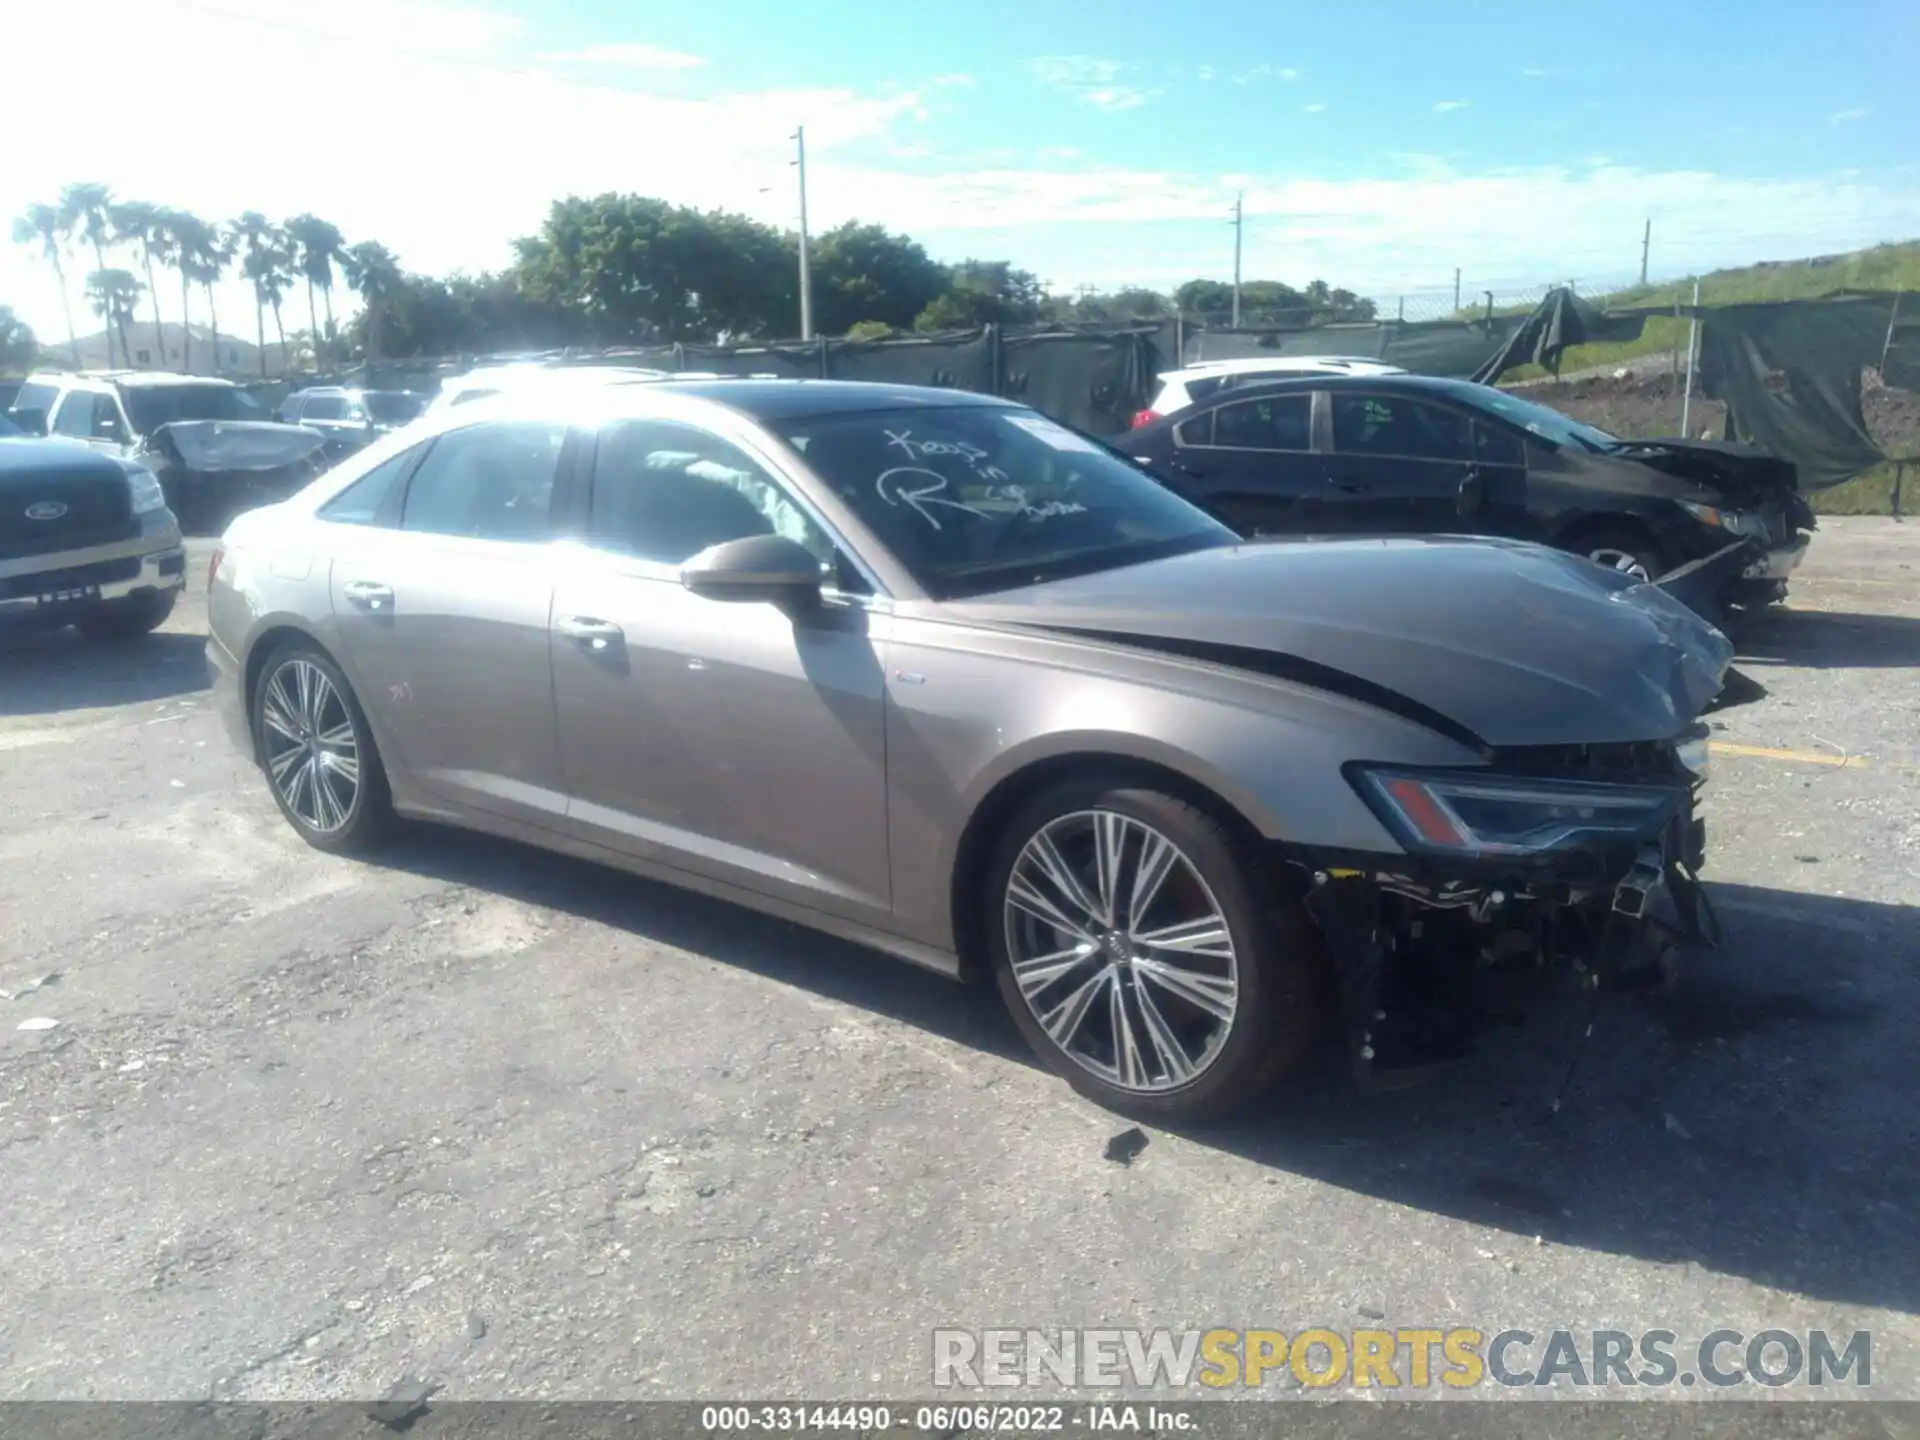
1058 436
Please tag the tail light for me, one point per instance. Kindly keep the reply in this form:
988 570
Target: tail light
213 564
1143 417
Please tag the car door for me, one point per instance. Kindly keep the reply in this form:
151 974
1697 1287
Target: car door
730 740
83 415
1252 463
1398 463
441 602
1497 501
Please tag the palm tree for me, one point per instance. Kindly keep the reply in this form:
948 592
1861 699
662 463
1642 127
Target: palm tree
265 262
317 245
83 213
142 226
177 233
374 273
205 262
113 294
40 225
17 345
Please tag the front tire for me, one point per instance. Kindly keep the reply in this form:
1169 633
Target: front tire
318 753
1622 548
1145 957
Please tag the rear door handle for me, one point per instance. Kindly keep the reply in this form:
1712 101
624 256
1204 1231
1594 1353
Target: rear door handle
589 633
368 594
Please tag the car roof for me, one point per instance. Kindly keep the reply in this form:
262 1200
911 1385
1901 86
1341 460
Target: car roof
134 379
1281 364
790 399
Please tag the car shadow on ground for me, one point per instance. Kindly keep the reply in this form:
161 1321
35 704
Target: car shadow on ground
43 672
1755 1120
1828 640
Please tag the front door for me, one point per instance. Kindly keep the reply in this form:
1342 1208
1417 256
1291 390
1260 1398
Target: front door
1253 465
442 620
731 740
1398 464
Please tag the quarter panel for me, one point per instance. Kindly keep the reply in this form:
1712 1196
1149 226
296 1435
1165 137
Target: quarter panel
969 707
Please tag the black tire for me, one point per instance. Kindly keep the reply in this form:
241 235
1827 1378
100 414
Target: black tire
1276 964
127 619
1620 547
353 823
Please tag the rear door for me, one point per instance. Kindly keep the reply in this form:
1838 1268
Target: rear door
1398 463
1251 462
441 602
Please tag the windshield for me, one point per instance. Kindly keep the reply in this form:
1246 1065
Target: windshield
1539 420
980 498
392 407
151 406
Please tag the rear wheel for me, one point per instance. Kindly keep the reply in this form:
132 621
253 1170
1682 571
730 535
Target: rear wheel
125 619
318 753
1143 954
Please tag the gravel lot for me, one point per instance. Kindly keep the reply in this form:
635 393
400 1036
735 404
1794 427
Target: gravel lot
529 1128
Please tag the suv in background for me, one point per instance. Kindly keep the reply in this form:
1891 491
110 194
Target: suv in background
1189 386
214 448
348 418
86 538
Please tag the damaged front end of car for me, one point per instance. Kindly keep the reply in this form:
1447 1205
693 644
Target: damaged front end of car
212 470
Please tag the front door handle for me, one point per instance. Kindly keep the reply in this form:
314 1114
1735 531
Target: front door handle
589 633
1348 486
368 594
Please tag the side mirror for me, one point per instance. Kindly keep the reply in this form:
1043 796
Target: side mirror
768 568
33 420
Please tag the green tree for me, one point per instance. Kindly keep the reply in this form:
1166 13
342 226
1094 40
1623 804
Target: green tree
181 234
374 275
40 226
863 273
870 330
139 225
317 247
204 262
266 264
18 348
84 210
1094 307
982 292
113 294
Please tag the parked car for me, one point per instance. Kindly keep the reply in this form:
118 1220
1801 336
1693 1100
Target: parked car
350 418
491 380
86 539
1207 378
1007 706
215 449
1409 454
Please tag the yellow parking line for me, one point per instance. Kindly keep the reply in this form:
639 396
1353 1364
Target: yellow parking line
1805 757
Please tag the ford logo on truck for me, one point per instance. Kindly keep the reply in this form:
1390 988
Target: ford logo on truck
46 510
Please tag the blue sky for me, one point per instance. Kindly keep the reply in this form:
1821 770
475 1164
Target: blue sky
1379 145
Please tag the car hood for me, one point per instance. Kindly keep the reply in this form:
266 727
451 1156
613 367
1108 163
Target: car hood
215 445
1495 641
1741 475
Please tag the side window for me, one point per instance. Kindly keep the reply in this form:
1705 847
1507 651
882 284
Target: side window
36 397
1394 425
362 502
1496 445
489 482
666 492
1197 431
290 409
323 407
75 416
1283 422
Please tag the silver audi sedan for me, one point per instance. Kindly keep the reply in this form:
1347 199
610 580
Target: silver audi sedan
931 672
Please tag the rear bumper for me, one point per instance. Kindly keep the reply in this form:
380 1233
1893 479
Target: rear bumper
59 593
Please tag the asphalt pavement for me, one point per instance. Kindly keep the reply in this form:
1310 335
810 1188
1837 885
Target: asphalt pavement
528 1128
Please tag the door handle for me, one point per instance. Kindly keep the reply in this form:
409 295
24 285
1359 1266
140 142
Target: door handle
1348 486
589 633
368 594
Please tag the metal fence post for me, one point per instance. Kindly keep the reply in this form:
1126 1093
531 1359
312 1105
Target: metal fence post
1693 336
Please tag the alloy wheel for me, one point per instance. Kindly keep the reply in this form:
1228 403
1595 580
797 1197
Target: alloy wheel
312 754
1624 561
1121 951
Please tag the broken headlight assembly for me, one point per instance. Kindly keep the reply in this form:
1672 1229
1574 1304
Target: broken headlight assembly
1478 813
1734 522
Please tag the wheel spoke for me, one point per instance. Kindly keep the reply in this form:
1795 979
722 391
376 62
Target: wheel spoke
326 805
282 711
1064 1020
1206 935
1211 993
1127 1059
1046 855
1157 856
338 735
281 765
1172 1056
1022 894
1109 857
1042 970
346 767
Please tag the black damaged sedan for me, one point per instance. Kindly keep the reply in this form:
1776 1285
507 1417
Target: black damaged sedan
1405 454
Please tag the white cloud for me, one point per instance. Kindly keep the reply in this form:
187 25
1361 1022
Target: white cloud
1447 107
629 57
1288 74
1092 80
1847 117
1314 109
1205 73
1534 72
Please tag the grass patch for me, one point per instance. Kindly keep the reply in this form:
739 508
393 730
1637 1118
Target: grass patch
1870 494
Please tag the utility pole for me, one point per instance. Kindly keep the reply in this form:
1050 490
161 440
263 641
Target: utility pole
1646 244
806 270
1238 226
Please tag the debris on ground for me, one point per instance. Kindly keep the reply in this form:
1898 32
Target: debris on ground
476 1325
52 977
38 1022
1125 1148
403 1403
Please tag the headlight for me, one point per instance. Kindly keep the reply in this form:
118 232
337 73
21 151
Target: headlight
1473 812
147 494
1734 522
